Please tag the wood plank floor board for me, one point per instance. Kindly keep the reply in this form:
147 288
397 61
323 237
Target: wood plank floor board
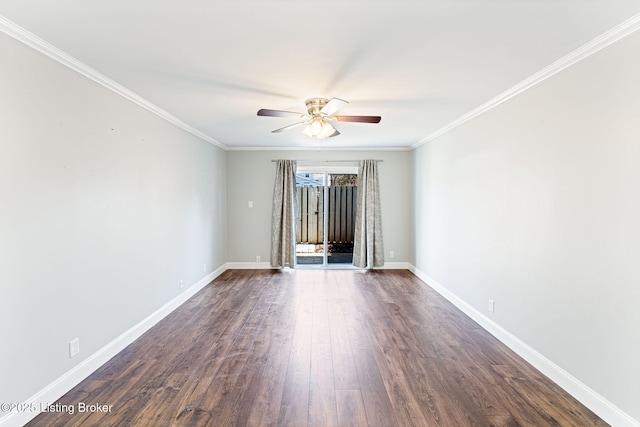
406 317
377 403
344 369
390 359
155 413
268 384
357 326
406 405
426 389
350 407
237 407
268 399
322 396
300 356
316 348
197 397
270 387
244 362
322 393
265 410
460 409
294 410
204 406
536 390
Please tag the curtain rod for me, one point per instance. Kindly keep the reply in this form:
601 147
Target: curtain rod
327 161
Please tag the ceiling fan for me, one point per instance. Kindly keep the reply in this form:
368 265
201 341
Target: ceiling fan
317 120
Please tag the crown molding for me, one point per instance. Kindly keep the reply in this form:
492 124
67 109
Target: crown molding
13 30
616 33
306 148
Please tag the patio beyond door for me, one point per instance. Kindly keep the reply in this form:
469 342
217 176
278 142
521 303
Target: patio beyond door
325 219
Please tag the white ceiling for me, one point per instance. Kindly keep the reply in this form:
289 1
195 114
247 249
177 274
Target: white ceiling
419 64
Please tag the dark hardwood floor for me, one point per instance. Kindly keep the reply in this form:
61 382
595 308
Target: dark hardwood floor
319 347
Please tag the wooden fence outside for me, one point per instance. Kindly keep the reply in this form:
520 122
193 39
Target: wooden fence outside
342 203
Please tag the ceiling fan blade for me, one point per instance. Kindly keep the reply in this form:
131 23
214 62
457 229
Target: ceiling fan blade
359 119
288 127
333 105
335 133
278 113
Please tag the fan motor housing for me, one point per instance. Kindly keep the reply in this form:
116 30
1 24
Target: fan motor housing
314 105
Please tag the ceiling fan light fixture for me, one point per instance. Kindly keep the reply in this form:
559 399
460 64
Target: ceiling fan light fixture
327 130
307 130
321 112
318 128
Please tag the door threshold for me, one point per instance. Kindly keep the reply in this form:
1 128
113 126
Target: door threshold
326 267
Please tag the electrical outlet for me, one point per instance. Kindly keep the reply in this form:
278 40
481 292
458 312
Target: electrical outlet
392 254
74 347
492 306
250 204
181 283
257 258
204 268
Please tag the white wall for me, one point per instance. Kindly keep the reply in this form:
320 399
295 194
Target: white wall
251 176
536 204
104 208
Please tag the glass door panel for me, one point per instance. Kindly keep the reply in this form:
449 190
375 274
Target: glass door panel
342 202
310 218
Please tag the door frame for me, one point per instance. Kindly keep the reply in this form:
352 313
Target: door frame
326 170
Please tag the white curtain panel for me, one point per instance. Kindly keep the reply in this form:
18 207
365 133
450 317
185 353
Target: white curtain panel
283 234
368 251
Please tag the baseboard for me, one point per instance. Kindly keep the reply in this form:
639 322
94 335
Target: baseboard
266 265
394 266
588 397
58 388
248 266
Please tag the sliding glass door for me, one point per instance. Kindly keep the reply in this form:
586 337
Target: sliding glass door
325 218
